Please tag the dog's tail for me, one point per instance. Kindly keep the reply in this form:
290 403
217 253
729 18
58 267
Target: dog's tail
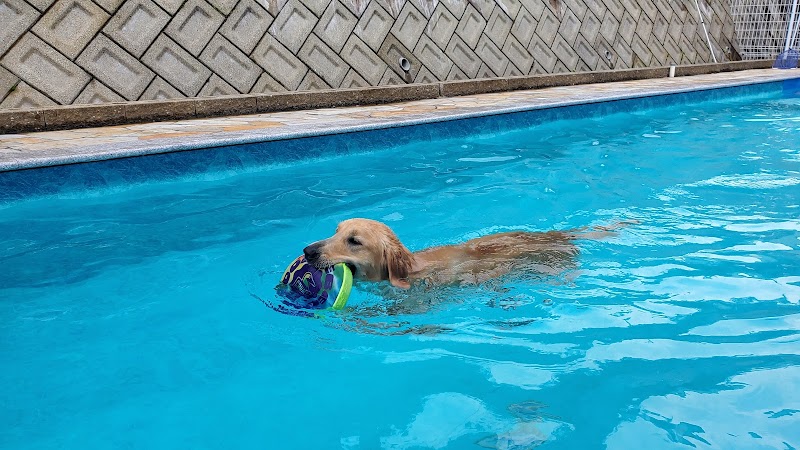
601 231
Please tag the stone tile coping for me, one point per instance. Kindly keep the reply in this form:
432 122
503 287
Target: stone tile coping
30 150
83 116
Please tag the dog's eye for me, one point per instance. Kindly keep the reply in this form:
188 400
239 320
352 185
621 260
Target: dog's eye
352 240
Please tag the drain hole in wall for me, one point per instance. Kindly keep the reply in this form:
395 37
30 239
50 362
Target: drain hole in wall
405 64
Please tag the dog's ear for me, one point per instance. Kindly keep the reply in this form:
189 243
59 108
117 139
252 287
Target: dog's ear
398 263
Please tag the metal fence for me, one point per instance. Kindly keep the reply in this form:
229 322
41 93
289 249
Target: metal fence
762 27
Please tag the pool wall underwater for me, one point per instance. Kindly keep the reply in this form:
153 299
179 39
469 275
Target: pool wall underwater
229 159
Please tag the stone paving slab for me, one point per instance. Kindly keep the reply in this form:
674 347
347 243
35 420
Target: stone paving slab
27 150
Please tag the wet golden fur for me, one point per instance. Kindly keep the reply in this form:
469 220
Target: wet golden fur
374 253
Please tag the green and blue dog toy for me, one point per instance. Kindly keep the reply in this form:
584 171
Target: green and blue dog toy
306 287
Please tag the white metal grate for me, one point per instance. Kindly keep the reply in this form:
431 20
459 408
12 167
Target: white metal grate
761 27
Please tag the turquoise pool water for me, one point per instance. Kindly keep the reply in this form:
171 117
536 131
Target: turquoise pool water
133 315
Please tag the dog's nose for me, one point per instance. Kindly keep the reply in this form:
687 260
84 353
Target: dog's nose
312 252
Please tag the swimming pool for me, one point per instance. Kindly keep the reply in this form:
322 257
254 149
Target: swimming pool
132 313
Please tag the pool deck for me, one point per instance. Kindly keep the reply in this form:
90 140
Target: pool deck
39 149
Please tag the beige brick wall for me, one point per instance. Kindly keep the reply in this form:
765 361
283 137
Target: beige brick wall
93 51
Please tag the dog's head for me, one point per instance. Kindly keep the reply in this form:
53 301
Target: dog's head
369 248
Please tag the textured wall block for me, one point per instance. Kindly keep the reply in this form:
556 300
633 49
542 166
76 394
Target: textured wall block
293 25
42 5
391 51
335 25
95 93
578 7
279 62
512 71
690 27
485 72
442 25
366 62
463 56
456 74
456 7
609 27
409 25
561 68
498 26
644 26
624 53
518 55
471 26
7 81
665 9
170 6
109 5
357 7
542 54
627 27
510 7
484 7
425 76
115 67
175 65
586 52
675 29
680 9
312 82
246 24
535 7
566 54
230 64
597 7
318 7
590 27
216 86
323 60
390 78
649 8
160 90
45 69
194 25
660 27
433 58
547 27
658 50
267 84
640 51
224 6
570 26
25 97
615 7
491 55
524 26
136 25
673 51
15 17
70 24
354 80
374 25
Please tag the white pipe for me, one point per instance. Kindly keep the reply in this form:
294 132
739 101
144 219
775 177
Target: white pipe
790 32
708 40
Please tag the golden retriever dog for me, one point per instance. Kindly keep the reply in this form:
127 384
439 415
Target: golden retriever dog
374 253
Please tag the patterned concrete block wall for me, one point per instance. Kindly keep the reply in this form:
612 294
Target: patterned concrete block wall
93 51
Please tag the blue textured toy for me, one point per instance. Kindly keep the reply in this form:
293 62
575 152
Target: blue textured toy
307 287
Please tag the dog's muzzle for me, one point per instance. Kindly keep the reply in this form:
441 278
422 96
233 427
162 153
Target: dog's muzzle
312 253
